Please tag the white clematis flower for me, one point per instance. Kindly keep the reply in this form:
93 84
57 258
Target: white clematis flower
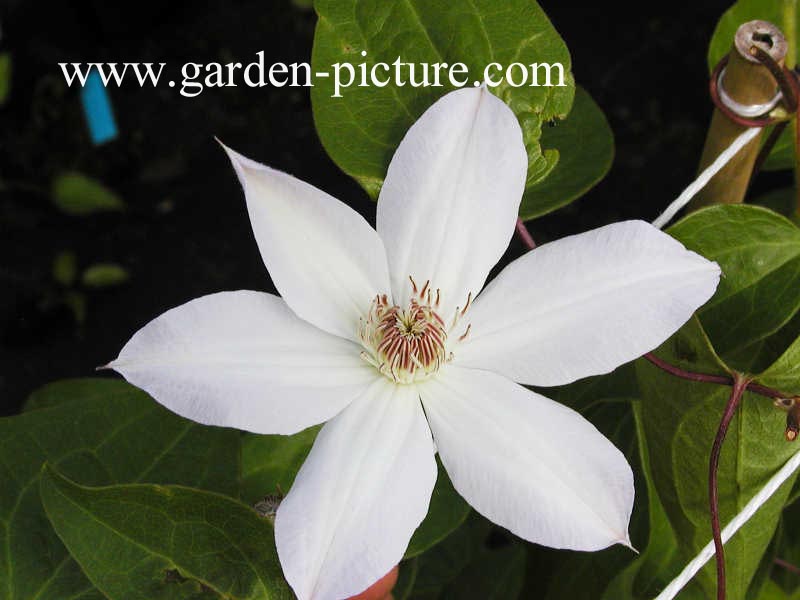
382 334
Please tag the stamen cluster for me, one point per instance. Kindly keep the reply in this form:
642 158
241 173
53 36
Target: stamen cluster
408 344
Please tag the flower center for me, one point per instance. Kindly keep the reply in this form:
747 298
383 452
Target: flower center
408 344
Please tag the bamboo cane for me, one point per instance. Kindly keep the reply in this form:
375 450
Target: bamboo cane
747 82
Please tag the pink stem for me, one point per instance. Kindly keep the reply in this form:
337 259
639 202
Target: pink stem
525 235
739 385
787 565
756 388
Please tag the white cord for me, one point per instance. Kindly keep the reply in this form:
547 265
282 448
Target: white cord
748 111
699 183
764 494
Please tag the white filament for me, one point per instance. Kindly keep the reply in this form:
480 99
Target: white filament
704 177
756 502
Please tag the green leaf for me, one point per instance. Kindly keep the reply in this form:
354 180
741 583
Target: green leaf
785 16
585 146
772 591
405 580
493 574
446 513
680 419
69 390
443 563
788 549
759 356
586 576
784 374
759 253
271 462
143 541
5 76
102 431
76 194
781 157
65 268
761 580
645 575
102 275
361 129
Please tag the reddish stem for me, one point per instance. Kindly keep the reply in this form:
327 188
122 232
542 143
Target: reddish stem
767 391
739 385
525 235
756 388
787 565
690 375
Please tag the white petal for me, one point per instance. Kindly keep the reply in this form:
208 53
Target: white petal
586 304
243 359
324 258
449 204
527 463
360 495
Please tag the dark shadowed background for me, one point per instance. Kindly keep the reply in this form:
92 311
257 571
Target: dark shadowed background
186 231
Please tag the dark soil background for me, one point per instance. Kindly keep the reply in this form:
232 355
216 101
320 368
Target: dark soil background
186 232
